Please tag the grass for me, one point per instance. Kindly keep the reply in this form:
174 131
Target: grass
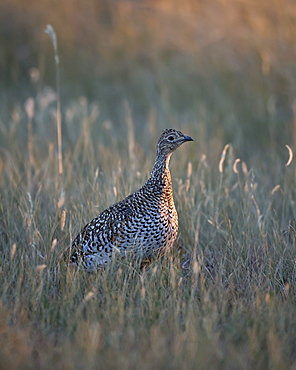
224 297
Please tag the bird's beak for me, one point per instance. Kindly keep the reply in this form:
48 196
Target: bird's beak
188 138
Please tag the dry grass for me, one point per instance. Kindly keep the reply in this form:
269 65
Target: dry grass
225 296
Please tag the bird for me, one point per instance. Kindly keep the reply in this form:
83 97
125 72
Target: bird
145 223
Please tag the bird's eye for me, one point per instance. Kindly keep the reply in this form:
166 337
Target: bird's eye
171 138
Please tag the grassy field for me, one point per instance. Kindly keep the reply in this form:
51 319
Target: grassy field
225 297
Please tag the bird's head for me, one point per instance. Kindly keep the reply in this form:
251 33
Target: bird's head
170 140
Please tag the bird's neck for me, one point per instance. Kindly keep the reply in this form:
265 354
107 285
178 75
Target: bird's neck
160 174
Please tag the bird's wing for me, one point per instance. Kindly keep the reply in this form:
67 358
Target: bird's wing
103 233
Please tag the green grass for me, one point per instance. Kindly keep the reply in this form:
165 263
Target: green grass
225 296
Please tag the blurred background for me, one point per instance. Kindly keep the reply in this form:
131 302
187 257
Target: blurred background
222 69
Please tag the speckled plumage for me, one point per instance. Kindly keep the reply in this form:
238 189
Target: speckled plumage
144 223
